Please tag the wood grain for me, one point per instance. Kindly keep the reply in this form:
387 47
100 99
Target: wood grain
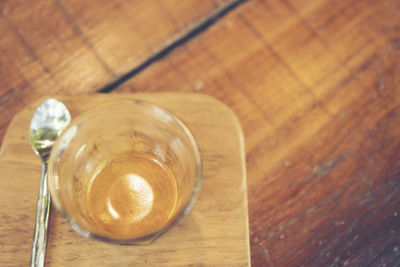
215 233
82 46
315 85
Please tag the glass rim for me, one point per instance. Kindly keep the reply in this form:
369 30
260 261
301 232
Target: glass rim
187 207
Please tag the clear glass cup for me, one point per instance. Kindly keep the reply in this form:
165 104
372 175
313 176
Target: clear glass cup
112 139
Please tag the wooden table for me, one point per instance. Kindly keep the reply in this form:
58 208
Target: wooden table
315 84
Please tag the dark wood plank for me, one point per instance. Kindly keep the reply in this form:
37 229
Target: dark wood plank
82 46
315 85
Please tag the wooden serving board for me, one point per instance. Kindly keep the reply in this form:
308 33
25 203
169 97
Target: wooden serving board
215 233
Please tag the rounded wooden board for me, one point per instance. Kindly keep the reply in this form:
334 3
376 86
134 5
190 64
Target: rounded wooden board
215 233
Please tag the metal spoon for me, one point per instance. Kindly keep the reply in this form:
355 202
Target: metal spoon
49 120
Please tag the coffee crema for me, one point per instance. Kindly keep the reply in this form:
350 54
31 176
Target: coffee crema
131 195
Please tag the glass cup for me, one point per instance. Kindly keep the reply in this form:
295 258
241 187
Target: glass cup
124 172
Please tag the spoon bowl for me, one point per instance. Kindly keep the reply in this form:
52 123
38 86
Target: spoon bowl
48 121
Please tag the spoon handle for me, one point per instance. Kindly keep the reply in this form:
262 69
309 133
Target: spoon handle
42 217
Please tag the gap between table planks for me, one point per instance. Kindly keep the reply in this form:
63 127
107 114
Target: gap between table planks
83 46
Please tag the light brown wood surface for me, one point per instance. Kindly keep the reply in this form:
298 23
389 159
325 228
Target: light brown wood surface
215 233
314 83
